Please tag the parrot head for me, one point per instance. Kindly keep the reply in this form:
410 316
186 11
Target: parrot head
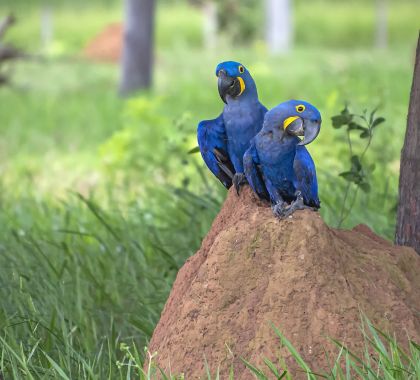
296 118
234 80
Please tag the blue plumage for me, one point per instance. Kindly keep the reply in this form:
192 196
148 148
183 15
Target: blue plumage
277 165
212 140
231 132
305 177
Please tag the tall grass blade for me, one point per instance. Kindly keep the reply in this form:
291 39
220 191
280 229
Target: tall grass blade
58 369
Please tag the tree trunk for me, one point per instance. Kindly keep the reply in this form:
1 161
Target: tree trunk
408 219
381 35
279 25
5 24
7 52
47 27
209 24
136 69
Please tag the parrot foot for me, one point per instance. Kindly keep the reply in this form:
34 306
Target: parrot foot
282 210
239 180
296 205
279 209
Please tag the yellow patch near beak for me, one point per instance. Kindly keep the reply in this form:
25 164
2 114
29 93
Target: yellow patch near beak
242 84
289 121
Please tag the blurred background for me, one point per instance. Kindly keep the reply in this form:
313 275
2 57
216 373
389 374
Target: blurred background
99 192
64 125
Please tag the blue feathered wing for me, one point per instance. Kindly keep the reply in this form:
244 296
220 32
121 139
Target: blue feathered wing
305 177
212 141
253 173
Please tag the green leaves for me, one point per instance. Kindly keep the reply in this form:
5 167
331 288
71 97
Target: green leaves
352 121
356 174
359 172
377 121
194 150
344 118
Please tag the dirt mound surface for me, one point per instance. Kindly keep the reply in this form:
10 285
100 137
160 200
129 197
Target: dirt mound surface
308 279
107 45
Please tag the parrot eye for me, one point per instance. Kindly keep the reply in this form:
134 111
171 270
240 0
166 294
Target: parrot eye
241 69
300 108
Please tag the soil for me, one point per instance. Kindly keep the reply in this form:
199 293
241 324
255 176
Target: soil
107 45
309 280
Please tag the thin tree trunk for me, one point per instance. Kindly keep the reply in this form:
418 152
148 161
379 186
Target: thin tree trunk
209 24
381 35
279 25
137 60
7 52
47 27
5 24
408 219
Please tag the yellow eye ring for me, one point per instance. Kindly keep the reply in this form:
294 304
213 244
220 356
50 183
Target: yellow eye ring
300 108
241 69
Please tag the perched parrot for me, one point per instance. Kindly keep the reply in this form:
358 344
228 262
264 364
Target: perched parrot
278 166
224 140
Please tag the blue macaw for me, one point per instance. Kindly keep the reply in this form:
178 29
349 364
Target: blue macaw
224 140
278 166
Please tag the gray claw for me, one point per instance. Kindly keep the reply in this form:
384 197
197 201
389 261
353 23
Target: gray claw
296 205
282 210
239 180
298 195
279 209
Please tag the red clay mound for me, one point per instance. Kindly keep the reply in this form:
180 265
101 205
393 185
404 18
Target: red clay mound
107 45
309 280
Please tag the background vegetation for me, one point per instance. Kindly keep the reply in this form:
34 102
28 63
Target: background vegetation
100 204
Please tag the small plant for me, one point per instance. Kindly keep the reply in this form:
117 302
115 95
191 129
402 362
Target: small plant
383 359
357 176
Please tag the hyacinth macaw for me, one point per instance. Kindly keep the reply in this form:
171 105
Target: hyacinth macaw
224 140
278 166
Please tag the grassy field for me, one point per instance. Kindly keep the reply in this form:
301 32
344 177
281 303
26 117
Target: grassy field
100 203
97 137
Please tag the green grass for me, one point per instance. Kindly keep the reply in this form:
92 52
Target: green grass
319 23
344 24
96 137
382 358
78 280
182 25
100 203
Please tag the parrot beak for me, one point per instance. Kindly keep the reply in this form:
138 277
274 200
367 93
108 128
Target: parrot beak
311 130
297 126
229 86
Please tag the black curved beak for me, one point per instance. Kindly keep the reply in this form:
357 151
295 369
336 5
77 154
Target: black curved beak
296 126
227 85
311 130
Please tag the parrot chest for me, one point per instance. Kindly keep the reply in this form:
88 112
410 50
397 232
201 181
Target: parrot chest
276 161
242 124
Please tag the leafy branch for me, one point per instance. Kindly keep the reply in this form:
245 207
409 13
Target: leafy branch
358 174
